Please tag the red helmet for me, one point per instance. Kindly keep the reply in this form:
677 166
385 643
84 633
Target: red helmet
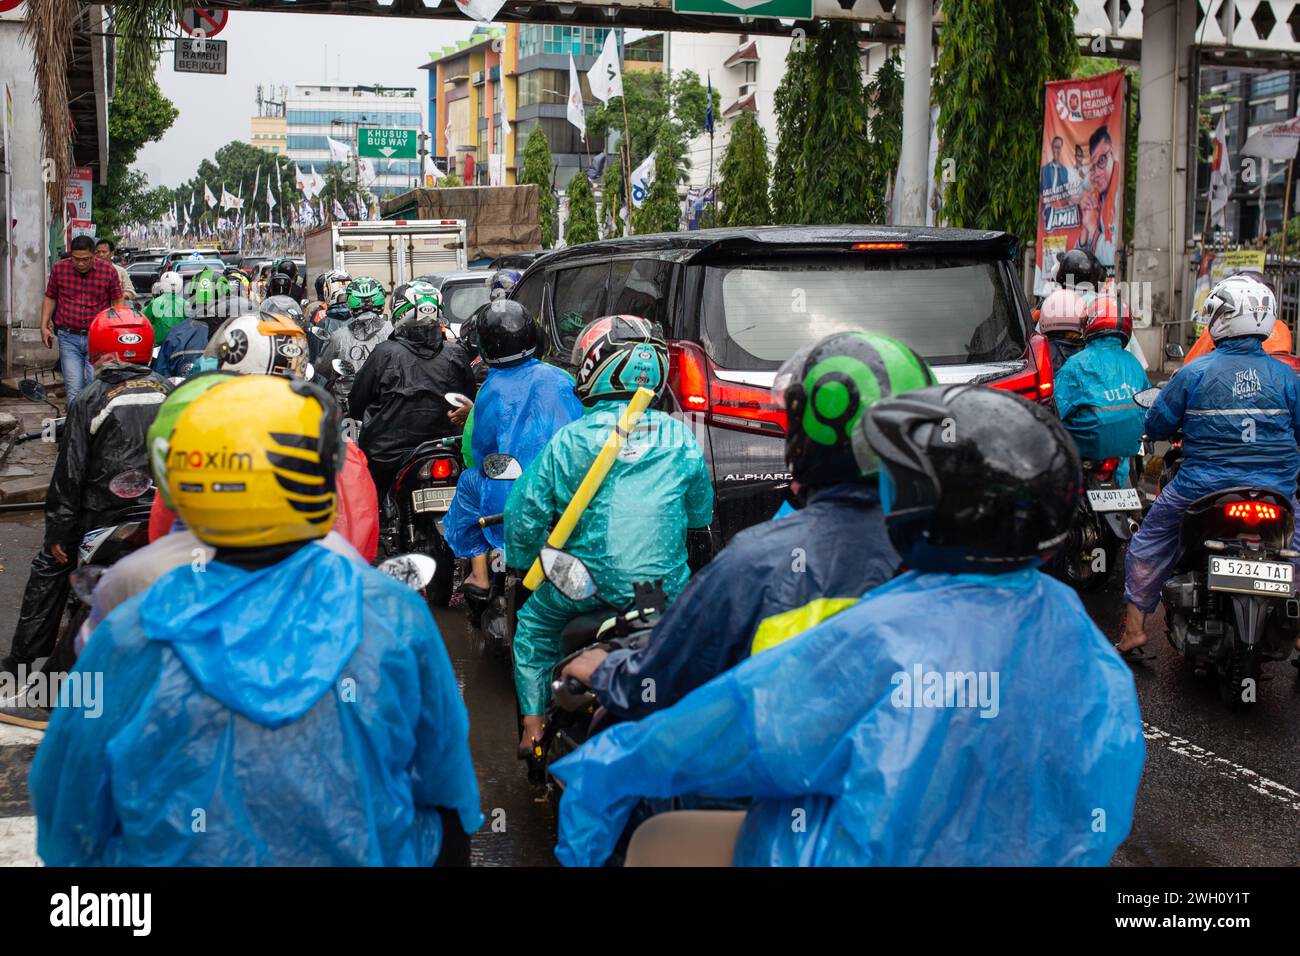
1108 316
122 333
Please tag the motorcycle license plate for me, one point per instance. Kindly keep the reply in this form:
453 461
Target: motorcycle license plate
1250 577
1115 499
432 499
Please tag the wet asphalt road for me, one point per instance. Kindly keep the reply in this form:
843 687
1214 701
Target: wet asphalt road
1219 788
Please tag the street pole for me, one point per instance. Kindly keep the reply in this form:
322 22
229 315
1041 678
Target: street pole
916 112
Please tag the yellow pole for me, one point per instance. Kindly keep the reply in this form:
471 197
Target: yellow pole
591 482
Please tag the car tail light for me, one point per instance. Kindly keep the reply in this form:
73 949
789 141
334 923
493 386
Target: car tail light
1105 470
1252 512
878 246
1035 382
693 379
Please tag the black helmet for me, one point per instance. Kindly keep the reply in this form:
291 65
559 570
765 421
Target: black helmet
826 387
617 355
1080 267
285 307
286 267
973 480
506 333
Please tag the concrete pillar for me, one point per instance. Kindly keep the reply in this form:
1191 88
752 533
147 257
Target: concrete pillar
912 173
1159 222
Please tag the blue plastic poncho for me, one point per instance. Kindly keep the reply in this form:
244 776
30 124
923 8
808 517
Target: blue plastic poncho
633 531
518 409
182 346
1094 397
304 714
1239 410
836 730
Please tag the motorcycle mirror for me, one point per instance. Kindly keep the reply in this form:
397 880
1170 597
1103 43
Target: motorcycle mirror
32 390
308 372
413 570
320 333
501 467
1175 350
568 574
130 484
1147 397
84 580
343 367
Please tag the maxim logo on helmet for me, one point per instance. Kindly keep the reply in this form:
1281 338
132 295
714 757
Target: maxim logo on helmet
179 460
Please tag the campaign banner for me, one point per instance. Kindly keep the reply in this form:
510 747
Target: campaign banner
1081 172
1220 265
78 192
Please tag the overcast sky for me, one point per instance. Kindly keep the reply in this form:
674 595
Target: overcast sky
286 48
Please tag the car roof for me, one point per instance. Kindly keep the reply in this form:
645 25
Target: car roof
703 243
442 278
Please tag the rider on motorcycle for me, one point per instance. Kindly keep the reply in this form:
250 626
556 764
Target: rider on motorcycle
284 281
1239 412
1060 319
166 308
354 342
400 392
522 403
634 529
185 343
303 700
104 436
286 308
1095 388
753 595
871 739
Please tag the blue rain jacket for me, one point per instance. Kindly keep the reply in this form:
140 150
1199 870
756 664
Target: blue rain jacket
304 714
843 730
181 348
1094 397
1239 411
518 409
771 582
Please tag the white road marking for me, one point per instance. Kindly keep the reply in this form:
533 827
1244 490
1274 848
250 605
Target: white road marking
1222 766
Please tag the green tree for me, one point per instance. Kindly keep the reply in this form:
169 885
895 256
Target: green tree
885 100
537 169
581 225
662 210
990 88
837 157
654 99
610 200
238 166
744 174
450 181
139 114
791 106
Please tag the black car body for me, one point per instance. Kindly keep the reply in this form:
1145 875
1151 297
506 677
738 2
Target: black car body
735 303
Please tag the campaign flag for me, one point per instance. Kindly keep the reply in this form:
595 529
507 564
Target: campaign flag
605 77
1220 176
339 152
575 112
210 199
642 177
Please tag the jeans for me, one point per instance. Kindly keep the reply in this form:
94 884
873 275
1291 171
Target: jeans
74 361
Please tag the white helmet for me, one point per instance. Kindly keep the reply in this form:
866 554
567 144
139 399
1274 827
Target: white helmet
262 345
1239 305
1062 311
171 282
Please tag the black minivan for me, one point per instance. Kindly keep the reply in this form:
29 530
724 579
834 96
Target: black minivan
735 303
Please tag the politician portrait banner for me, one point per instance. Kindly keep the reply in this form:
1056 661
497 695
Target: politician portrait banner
1081 172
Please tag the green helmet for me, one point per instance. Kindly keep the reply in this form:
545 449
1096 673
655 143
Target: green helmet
203 288
365 295
159 436
826 387
417 302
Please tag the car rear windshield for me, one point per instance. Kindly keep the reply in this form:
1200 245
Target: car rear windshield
460 299
951 310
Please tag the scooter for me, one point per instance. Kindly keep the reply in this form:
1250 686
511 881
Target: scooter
1106 517
1231 604
495 615
419 497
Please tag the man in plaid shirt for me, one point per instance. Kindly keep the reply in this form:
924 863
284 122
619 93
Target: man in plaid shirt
80 287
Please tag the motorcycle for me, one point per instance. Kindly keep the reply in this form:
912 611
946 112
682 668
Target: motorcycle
34 391
575 714
414 507
1106 517
494 616
1231 604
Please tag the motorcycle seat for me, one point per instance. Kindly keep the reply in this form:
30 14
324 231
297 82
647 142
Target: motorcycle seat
581 631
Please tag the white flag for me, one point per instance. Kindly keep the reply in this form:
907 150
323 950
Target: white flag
482 10
505 120
642 177
431 171
365 171
210 199
228 200
605 77
270 199
313 185
1220 176
575 112
339 211
446 132
257 179
300 181
339 152
1274 142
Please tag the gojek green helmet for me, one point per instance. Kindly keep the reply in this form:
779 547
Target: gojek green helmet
418 303
158 438
365 295
826 387
202 289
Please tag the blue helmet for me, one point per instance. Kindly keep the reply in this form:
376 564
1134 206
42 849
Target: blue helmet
503 281
618 354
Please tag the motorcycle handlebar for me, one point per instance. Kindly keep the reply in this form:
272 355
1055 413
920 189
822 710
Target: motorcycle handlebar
490 520
570 693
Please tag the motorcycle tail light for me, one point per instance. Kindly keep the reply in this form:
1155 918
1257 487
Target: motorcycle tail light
1252 512
437 468
1106 469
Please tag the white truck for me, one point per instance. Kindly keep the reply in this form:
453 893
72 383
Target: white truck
392 251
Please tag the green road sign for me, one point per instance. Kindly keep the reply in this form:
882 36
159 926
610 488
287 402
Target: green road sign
383 142
785 9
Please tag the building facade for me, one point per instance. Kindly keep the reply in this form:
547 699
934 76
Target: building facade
270 134
316 112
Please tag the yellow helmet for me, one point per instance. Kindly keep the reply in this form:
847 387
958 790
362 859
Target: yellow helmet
253 462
